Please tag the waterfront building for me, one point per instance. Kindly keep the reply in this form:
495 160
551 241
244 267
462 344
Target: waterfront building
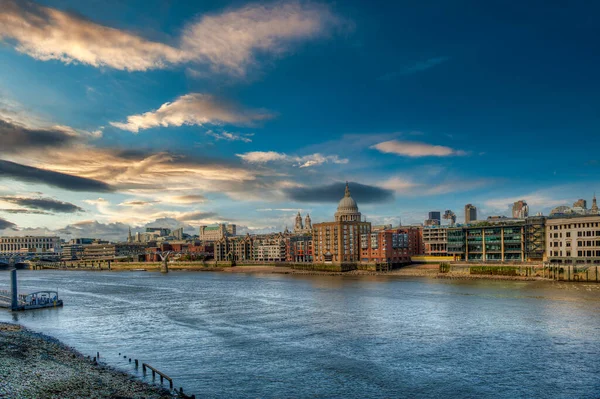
470 213
435 241
103 250
503 240
30 246
216 232
238 249
385 246
270 248
305 228
520 210
339 241
299 248
74 248
573 239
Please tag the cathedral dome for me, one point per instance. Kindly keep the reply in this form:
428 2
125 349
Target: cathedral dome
347 209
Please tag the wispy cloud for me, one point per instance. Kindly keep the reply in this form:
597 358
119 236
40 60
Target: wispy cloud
306 161
415 68
227 42
228 136
416 149
192 109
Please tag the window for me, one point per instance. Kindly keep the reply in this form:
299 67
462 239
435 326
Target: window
568 234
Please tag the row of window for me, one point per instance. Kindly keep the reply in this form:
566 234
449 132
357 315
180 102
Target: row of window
574 226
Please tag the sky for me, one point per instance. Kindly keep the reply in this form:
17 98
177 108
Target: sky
118 114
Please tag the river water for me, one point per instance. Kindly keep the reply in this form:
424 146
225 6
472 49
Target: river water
236 335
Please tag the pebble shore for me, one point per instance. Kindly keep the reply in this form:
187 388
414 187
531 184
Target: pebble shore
33 365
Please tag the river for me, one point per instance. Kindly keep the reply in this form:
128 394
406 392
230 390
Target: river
222 335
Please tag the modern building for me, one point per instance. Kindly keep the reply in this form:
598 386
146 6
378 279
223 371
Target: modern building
470 213
520 210
339 241
31 246
573 240
435 241
216 232
451 216
507 240
110 251
74 248
305 228
435 215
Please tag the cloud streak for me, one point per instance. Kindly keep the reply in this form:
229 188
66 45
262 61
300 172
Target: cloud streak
15 137
416 149
12 170
5 225
415 68
227 42
45 204
192 109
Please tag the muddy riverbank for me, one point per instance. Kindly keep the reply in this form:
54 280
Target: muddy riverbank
34 365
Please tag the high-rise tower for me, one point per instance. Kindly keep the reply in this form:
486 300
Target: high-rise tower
470 213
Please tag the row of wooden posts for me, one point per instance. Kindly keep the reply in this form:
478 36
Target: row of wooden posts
155 371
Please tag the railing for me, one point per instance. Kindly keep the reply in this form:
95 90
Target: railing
160 373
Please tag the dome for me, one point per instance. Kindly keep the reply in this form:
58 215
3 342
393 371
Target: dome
347 209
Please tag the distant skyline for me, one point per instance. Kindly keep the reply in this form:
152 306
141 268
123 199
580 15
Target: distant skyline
140 113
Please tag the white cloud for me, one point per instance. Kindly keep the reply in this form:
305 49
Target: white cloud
399 185
227 42
415 149
227 136
262 157
191 109
230 40
46 33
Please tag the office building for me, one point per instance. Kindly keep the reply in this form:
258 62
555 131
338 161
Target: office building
470 213
435 241
435 215
30 246
502 240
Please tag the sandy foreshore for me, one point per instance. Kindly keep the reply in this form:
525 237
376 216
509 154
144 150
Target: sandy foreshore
33 365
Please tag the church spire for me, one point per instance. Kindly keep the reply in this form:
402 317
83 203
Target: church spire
594 205
347 194
129 238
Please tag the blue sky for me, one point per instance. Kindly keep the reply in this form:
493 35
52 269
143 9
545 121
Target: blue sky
188 114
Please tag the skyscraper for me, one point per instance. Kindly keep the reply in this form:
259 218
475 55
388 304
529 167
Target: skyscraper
470 213
520 210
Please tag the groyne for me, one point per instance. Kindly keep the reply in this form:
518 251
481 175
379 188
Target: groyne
34 365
